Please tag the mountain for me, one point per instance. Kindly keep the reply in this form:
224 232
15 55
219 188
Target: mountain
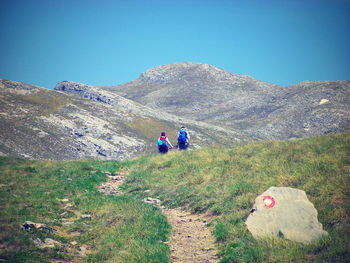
79 121
256 109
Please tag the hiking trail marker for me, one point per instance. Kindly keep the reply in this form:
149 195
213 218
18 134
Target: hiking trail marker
285 212
269 201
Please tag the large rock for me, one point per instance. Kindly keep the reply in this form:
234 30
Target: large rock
285 212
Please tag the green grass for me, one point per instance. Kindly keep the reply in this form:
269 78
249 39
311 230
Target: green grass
220 181
225 182
122 229
150 129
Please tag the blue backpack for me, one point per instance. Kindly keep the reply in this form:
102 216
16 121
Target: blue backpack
182 136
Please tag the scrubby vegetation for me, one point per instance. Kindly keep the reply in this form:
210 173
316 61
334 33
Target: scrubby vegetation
221 181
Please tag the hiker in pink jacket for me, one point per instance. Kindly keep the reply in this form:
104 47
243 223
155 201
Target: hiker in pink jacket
164 143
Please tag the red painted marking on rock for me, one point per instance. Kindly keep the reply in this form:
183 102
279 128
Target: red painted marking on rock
269 201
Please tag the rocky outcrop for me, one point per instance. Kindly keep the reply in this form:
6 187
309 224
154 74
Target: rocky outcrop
84 91
285 212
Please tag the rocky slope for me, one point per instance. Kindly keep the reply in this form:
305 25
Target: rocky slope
78 121
254 108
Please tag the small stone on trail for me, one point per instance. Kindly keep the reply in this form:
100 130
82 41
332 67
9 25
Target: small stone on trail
74 233
68 206
65 221
64 200
73 243
152 201
86 216
47 243
82 251
117 178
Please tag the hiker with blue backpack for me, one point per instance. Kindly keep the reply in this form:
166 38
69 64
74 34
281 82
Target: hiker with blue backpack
183 138
164 143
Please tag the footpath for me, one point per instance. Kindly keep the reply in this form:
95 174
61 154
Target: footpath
191 240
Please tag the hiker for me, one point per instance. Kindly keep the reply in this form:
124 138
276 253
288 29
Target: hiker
183 138
163 143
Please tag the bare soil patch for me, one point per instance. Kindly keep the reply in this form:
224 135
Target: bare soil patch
191 239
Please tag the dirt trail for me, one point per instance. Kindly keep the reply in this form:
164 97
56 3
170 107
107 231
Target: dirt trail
191 240
111 187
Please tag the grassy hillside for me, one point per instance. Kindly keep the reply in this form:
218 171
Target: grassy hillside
225 182
221 181
122 229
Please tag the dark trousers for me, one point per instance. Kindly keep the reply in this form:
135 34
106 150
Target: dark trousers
183 145
163 149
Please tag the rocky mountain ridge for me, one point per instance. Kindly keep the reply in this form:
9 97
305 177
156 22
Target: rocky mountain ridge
256 109
79 121
104 96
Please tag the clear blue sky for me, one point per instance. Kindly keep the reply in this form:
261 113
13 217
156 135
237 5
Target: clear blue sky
106 42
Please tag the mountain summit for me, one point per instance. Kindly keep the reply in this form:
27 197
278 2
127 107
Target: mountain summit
187 71
258 109
188 89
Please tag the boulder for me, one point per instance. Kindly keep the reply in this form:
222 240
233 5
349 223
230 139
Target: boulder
285 212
